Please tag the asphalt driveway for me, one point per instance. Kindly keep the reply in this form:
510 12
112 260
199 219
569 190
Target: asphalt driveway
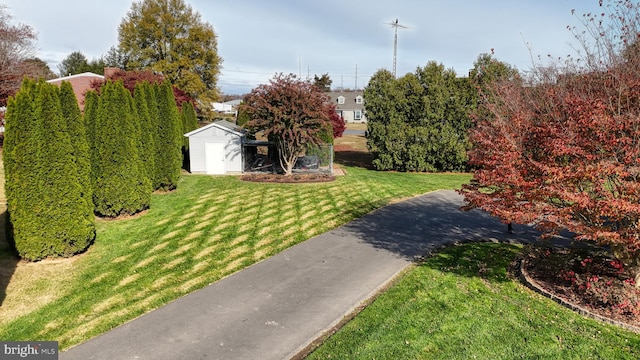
276 308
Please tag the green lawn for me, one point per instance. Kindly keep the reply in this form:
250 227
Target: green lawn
461 304
207 229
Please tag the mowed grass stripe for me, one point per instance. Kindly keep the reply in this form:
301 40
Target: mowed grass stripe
207 229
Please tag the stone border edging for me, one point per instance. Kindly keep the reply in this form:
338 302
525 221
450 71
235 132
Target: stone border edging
533 285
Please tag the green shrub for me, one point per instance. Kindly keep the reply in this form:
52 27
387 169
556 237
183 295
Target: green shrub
419 122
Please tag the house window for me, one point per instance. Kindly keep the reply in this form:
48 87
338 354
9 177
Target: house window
358 99
357 115
340 99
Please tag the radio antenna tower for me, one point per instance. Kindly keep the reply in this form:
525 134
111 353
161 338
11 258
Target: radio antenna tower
395 26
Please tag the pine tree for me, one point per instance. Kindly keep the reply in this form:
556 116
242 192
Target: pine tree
169 156
120 184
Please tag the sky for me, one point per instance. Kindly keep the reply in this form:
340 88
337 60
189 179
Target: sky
348 39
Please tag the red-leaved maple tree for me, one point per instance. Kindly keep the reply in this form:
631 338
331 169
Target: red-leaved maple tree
563 151
291 113
131 78
337 122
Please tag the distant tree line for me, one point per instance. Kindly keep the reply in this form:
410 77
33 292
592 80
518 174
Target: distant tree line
63 168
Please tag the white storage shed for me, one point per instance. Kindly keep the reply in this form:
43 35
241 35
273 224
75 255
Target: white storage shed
217 148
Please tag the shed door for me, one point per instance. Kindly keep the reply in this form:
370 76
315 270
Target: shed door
214 158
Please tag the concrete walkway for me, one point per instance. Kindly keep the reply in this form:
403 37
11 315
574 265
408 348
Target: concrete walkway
276 308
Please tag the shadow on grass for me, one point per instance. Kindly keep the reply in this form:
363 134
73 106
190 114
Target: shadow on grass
419 226
8 259
354 159
489 261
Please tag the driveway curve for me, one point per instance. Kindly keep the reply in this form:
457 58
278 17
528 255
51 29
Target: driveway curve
276 308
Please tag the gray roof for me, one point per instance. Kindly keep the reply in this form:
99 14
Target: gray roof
221 124
349 99
233 102
231 126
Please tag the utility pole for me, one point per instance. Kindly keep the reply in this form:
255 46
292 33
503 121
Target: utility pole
356 88
395 26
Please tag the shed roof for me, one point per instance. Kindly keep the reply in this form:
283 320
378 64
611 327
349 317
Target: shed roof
70 77
220 124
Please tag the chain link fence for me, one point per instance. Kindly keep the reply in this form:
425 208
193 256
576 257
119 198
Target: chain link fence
261 157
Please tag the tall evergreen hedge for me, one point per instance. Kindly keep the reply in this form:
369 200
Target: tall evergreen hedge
120 183
90 116
151 90
189 122
148 127
19 155
168 147
78 134
46 197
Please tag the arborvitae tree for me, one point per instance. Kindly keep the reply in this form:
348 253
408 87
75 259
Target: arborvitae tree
145 184
65 215
120 184
78 134
189 122
150 91
168 153
90 116
19 154
148 129
48 214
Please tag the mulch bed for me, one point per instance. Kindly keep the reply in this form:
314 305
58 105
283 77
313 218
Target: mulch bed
292 179
587 280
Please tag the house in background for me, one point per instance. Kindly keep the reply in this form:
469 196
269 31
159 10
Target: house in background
80 84
228 107
217 148
349 105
